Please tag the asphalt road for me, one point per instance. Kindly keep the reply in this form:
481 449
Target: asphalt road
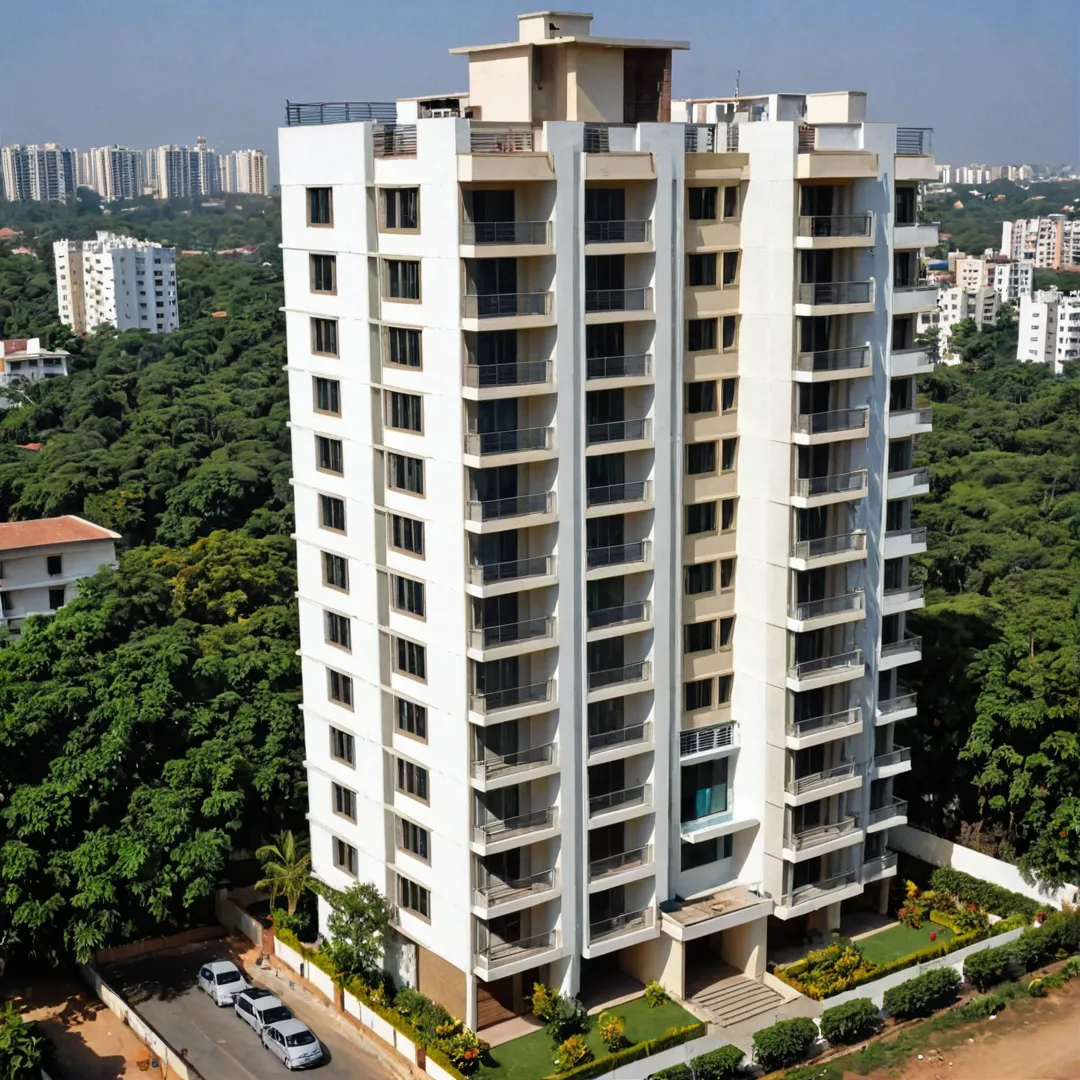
162 987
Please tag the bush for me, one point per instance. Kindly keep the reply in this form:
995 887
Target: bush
989 967
785 1043
613 1031
655 995
723 1063
568 1017
298 923
672 1072
851 1022
573 1051
602 1065
543 1002
980 1007
993 898
923 994
1010 922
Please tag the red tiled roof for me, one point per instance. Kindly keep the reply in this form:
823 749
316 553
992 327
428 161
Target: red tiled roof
29 446
59 530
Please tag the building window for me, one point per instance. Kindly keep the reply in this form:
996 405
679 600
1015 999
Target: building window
707 851
401 278
411 718
730 268
407 534
404 411
406 473
701 397
698 695
332 513
727 573
703 789
400 208
320 206
731 201
345 857
727 337
700 458
727 454
414 898
335 571
402 346
56 599
342 746
727 394
412 838
327 395
328 457
324 273
702 203
727 628
702 269
699 637
339 688
702 335
338 630
54 565
701 518
727 515
324 337
699 579
412 779
344 802
410 658
723 689
407 595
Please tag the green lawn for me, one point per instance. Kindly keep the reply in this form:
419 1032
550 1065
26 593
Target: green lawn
533 1056
900 940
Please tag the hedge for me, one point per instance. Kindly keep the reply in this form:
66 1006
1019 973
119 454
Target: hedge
599 1066
989 967
984 894
851 1022
784 1043
723 1063
923 994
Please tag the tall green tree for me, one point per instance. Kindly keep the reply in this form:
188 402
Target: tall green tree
20 1047
356 926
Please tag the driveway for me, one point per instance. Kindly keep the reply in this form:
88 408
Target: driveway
163 989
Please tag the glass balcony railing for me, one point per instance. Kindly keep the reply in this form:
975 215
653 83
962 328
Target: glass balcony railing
542 502
498 953
898 808
900 703
852 359
813 890
619 615
510 570
825 546
484 444
825 778
639 795
825 423
843 225
627 674
627 735
490 832
618 367
533 757
836 292
837 721
505 305
625 923
616 864
618 300
815 835
618 431
823 665
512 697
495 890
616 555
829 605
505 232
491 376
617 232
607 494
808 487
896 756
493 637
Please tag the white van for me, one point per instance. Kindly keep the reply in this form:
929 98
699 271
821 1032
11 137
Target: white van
259 1008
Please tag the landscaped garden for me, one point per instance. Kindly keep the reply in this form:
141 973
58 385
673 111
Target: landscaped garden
899 940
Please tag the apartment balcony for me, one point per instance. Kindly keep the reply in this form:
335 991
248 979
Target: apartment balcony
339 112
815 730
913 158
618 305
825 232
900 542
829 611
504 153
811 429
496 770
817 840
896 653
820 785
618 498
484 382
904 362
890 710
904 423
511 639
515 447
513 512
828 365
618 559
618 869
611 621
724 909
494 896
908 598
911 298
503 958
616 371
614 682
623 742
826 670
915 234
897 760
618 237
907 483
506 311
501 834
828 551
888 816
721 823
812 491
505 239
834 297
827 891
613 806
884 866
717 740
622 930
622 434
493 579
513 703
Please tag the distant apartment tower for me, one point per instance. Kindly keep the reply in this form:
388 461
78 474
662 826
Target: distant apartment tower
118 281
46 173
603 411
1049 242
186 173
1008 279
117 172
1049 328
246 172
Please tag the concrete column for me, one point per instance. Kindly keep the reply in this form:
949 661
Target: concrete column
470 1001
744 947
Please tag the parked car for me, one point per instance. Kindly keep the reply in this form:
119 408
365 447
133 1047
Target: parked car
292 1043
259 1008
222 980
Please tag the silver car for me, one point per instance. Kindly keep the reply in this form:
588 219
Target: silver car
292 1043
222 980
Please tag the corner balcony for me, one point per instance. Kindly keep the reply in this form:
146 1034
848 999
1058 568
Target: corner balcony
505 958
907 598
815 730
611 621
493 579
621 931
512 512
717 740
495 896
834 297
618 498
825 232
820 785
496 770
621 434
627 237
915 234
616 371
827 365
724 909
822 893
888 816
620 743
502 834
913 160
907 483
914 297
620 805
506 311
484 382
504 154
808 492
615 870
903 362
505 239
816 840
513 703
883 866
618 305
812 429
826 671
829 611
828 551
511 639
614 682
720 823
617 559
897 760
896 653
515 447
889 710
904 423
900 542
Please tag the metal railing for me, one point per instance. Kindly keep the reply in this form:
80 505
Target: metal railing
491 637
821 664
699 139
802 784
807 138
800 839
922 416
638 795
836 292
732 140
506 952
504 828
616 555
496 891
394 140
896 756
837 484
512 697
837 721
621 924
525 373
618 431
597 139
706 740
894 648
618 367
510 570
499 141
480 444
822 423
843 225
912 140
829 605
627 734
542 502
505 305
897 704
915 536
850 359
619 615
618 300
897 808
628 673
821 888
829 545
878 865
607 494
918 476
505 232
299 113
618 232
625 860
906 593
519 761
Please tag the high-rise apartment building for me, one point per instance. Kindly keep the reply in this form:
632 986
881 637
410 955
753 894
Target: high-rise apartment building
248 172
47 173
603 409
1049 328
116 280
1049 242
184 173
116 172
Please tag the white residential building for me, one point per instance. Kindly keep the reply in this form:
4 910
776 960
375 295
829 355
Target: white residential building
1049 242
24 358
955 305
117 172
245 172
41 563
1012 280
1049 328
603 409
1009 279
46 173
116 280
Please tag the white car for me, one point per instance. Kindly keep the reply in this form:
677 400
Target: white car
259 1008
292 1043
222 980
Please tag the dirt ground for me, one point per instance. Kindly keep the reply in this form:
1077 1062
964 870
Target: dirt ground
1032 1039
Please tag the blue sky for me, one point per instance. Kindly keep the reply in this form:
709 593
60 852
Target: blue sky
996 79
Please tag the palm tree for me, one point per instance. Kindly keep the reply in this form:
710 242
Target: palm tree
286 865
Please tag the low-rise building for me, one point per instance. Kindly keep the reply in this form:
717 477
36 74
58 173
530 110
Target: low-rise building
1049 323
24 358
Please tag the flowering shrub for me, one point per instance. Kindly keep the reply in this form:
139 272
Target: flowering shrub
464 1049
655 995
613 1031
543 1002
574 1051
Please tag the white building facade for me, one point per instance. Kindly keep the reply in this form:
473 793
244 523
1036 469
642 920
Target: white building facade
1049 242
1049 328
603 409
245 172
955 305
116 172
117 281
24 359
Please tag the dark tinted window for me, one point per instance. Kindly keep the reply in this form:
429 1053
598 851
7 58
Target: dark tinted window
301 1038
